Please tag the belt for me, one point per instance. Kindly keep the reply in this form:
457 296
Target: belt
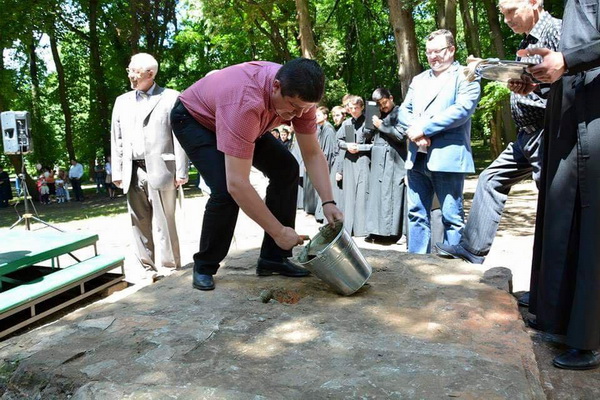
140 164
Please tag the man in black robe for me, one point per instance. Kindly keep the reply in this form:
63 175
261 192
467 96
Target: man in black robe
565 282
328 141
387 190
5 189
355 142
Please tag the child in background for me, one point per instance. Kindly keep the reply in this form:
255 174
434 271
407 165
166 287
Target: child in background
61 193
44 190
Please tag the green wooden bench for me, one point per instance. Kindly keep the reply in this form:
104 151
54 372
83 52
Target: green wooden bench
38 298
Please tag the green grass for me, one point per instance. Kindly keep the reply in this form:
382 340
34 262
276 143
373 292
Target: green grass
95 205
98 204
481 155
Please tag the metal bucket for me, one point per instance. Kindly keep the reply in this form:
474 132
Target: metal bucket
333 257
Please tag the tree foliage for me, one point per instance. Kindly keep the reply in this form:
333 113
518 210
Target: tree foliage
354 40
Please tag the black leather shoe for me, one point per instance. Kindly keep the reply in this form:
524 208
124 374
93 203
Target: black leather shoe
577 359
457 251
203 281
523 301
285 267
532 323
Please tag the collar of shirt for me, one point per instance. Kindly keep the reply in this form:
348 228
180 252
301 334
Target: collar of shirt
452 67
536 31
140 94
359 120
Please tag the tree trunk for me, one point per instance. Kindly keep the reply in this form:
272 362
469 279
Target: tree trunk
494 21
99 105
471 33
509 131
35 81
496 145
307 41
62 91
406 42
446 15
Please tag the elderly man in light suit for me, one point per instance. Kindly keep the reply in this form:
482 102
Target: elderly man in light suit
437 111
148 163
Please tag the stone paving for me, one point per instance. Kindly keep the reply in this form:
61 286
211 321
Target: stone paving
423 328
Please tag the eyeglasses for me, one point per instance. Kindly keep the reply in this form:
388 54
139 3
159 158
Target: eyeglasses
432 53
135 72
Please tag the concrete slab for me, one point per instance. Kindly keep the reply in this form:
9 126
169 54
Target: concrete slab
423 327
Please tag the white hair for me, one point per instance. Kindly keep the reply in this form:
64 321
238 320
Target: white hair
144 61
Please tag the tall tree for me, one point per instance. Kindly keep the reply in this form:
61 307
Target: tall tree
99 103
496 33
446 15
406 42
470 32
307 41
62 90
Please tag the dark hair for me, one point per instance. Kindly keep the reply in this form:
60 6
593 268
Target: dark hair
381 93
303 78
442 32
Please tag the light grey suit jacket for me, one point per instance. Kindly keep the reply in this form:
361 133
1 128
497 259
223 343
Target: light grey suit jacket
164 156
443 113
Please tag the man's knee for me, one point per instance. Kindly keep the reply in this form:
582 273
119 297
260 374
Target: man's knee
287 174
220 201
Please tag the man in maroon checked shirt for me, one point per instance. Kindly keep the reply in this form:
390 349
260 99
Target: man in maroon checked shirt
221 122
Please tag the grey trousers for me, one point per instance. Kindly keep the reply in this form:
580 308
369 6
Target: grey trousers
520 160
147 206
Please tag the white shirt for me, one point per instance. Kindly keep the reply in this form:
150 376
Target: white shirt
76 171
137 140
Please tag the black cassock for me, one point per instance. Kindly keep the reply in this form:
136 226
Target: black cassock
565 280
5 188
355 171
387 191
328 141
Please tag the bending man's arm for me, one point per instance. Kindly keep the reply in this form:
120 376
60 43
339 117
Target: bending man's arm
244 194
318 171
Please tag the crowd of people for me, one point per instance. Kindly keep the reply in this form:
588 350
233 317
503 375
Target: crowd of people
54 184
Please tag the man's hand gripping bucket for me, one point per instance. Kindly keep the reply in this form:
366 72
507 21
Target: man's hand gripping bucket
333 257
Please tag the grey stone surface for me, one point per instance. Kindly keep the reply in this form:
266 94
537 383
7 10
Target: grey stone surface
423 327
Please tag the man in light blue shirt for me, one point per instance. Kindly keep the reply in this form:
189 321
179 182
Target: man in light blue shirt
437 111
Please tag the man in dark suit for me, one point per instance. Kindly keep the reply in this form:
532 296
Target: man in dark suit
566 257
148 163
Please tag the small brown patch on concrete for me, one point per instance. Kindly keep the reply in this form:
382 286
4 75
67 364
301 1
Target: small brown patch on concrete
283 296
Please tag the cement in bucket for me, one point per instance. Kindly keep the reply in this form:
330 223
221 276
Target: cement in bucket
333 256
